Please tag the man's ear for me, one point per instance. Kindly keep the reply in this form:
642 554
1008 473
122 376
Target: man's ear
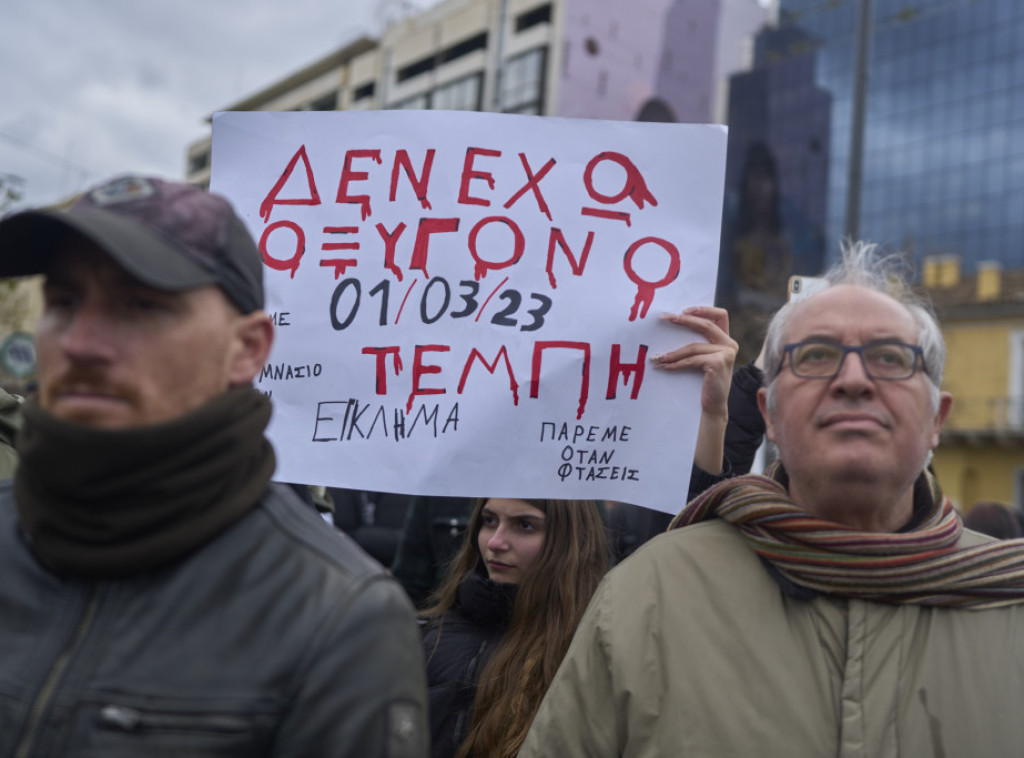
762 405
945 403
254 336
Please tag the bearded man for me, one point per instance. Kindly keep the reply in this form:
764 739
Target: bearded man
161 597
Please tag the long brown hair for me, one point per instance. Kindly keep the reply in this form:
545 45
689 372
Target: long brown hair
550 600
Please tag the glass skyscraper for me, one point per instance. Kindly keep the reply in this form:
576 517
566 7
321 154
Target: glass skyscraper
943 156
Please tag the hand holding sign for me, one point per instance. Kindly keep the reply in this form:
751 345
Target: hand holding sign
715 360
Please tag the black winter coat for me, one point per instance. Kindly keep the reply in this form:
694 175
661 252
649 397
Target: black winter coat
277 638
457 647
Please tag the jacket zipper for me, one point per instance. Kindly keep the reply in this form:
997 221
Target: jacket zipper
471 675
127 719
56 672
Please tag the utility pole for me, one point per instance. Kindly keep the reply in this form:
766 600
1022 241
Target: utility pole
498 104
860 86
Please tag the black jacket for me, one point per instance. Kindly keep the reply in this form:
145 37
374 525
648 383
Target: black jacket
457 647
277 638
745 432
432 535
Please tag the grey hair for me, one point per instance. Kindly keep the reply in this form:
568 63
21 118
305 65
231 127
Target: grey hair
859 265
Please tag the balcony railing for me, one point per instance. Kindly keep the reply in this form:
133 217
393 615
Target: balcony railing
986 416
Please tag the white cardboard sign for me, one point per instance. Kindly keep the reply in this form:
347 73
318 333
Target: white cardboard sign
466 303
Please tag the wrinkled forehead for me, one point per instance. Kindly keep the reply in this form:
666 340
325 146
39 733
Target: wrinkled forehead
851 314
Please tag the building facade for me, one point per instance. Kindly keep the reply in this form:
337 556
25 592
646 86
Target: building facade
655 60
981 456
942 176
942 170
773 222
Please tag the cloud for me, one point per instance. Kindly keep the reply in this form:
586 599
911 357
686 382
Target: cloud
94 89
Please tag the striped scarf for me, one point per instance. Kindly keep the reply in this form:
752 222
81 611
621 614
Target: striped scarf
922 566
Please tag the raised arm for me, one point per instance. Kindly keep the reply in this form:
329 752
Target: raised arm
714 359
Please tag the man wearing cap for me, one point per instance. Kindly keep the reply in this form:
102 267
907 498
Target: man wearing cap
159 596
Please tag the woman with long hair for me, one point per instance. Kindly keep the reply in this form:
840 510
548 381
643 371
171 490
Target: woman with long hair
503 619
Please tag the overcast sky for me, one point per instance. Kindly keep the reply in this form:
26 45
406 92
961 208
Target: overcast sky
93 88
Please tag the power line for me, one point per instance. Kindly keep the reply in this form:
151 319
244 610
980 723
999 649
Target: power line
25 145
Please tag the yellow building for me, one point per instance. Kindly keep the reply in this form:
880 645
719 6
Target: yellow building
981 456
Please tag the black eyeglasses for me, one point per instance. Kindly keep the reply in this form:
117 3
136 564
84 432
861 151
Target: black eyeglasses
815 359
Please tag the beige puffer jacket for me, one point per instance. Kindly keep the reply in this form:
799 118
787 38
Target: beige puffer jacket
689 648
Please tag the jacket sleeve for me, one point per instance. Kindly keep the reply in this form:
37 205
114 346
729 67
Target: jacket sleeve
362 689
579 716
745 432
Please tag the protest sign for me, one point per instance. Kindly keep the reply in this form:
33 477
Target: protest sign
466 303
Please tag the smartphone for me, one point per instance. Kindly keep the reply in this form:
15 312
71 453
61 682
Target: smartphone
804 286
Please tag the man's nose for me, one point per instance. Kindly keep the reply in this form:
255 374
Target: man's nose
87 334
852 377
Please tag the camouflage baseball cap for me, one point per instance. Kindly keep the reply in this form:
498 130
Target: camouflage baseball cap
171 236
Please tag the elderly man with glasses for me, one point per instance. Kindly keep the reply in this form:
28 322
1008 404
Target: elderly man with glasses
835 606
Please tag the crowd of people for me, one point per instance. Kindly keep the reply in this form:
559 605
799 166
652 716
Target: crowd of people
163 597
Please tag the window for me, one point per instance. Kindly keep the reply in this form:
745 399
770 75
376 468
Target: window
453 52
459 49
1015 382
363 92
461 95
414 103
534 17
522 83
416 68
328 102
198 162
